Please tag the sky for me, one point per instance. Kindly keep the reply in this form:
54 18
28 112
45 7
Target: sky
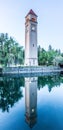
50 20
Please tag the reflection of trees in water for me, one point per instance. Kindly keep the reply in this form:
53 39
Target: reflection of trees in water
10 92
51 81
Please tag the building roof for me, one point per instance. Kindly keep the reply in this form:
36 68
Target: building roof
31 12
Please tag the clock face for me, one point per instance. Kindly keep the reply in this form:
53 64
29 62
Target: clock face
33 28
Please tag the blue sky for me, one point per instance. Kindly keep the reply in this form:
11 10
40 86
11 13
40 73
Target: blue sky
50 20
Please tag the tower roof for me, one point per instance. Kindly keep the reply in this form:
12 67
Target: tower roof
31 12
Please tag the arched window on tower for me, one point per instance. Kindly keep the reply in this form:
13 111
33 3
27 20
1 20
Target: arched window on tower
33 45
33 19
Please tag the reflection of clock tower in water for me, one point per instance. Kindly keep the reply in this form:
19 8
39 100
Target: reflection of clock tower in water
31 100
31 39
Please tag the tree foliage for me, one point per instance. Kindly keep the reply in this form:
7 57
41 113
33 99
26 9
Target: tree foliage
10 92
49 57
10 51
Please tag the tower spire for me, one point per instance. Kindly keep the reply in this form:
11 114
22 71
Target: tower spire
31 12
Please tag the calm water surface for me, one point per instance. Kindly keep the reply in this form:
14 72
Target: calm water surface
31 102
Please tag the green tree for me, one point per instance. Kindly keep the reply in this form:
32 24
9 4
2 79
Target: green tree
48 57
10 51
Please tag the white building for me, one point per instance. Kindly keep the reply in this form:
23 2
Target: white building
31 100
31 58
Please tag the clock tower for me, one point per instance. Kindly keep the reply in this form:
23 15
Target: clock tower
31 58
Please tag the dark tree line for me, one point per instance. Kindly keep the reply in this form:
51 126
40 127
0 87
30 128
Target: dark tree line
10 92
50 81
11 88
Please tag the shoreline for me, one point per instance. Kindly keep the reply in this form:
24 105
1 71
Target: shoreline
31 71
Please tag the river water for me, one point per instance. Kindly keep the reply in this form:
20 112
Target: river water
31 102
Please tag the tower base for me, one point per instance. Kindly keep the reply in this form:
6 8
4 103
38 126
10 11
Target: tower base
31 62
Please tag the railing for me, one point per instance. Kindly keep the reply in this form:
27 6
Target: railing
31 69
